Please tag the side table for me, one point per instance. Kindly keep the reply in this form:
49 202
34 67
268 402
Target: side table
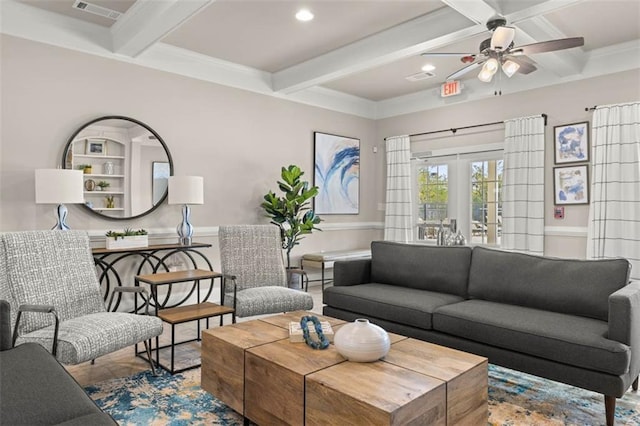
181 314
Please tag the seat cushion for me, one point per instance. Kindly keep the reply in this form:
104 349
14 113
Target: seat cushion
563 338
268 300
36 389
84 338
408 306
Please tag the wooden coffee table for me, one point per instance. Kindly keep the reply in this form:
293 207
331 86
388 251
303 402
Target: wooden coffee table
253 368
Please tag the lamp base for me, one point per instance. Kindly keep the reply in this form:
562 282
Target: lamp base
61 218
185 229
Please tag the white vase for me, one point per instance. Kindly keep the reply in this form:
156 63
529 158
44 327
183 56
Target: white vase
361 341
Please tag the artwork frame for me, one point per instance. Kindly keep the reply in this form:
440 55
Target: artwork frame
571 185
571 143
336 173
97 147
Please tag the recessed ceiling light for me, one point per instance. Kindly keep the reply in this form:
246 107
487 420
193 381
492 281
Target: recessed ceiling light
428 67
304 15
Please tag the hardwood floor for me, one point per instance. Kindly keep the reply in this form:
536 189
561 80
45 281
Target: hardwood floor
123 363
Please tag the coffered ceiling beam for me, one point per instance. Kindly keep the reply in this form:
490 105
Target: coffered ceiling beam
425 33
477 11
148 21
413 37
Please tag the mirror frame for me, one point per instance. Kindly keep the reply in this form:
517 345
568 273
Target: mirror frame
140 123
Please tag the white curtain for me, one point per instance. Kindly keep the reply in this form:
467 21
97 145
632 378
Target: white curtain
614 217
523 186
397 220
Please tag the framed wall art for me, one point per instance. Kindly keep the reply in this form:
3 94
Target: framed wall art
96 147
571 143
336 174
571 185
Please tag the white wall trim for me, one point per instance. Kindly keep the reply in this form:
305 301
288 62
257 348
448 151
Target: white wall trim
566 231
98 235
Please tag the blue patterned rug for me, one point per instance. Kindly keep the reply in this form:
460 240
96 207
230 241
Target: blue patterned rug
514 399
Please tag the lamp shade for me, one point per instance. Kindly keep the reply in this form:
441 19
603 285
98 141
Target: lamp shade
186 190
59 186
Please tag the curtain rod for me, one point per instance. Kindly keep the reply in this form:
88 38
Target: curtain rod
455 129
591 109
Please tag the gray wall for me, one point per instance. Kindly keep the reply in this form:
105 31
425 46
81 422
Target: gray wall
238 140
563 104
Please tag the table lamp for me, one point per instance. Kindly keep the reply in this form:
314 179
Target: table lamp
59 186
186 190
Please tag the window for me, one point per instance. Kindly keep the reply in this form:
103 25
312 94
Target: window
486 201
466 186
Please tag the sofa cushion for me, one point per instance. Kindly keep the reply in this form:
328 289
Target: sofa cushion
408 306
576 287
563 338
433 268
36 389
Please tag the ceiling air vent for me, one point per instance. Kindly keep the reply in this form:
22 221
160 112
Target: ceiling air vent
96 10
423 75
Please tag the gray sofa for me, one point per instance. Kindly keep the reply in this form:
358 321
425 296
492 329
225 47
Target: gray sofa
572 321
36 390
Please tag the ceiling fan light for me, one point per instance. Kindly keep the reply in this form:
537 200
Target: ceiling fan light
491 66
510 68
485 75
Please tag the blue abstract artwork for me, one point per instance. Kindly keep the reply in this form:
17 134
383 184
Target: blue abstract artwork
571 143
336 174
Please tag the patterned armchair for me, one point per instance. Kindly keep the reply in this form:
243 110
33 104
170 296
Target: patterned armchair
49 279
255 278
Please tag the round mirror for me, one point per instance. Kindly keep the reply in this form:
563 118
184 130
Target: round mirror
126 166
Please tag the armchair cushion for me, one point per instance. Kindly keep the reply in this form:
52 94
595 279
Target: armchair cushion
88 337
41 266
268 300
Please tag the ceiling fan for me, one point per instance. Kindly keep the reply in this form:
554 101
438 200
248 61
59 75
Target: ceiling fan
499 52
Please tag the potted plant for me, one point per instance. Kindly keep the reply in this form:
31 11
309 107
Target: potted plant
127 239
291 211
86 168
103 185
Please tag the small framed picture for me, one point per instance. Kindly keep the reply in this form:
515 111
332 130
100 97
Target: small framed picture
571 143
96 147
571 185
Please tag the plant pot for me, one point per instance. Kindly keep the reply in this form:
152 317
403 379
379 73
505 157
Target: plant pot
361 341
131 241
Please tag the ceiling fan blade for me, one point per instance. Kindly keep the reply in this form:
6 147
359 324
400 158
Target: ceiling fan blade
526 66
502 38
548 46
465 70
447 54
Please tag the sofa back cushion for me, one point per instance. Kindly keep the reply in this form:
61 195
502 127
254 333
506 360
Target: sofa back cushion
433 268
576 287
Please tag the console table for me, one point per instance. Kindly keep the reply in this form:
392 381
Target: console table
154 258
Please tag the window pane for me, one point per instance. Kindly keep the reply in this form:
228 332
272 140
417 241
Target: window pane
433 198
486 201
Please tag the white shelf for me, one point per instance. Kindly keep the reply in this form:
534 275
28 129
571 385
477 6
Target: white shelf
102 175
104 192
106 209
111 157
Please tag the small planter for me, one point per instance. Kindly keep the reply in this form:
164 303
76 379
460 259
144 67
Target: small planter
131 241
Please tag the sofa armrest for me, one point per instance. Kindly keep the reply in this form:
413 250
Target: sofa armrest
351 272
5 326
624 321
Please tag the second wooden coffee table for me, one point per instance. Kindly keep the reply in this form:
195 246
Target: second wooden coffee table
253 368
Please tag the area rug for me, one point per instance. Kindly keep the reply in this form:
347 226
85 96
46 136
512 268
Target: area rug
514 399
